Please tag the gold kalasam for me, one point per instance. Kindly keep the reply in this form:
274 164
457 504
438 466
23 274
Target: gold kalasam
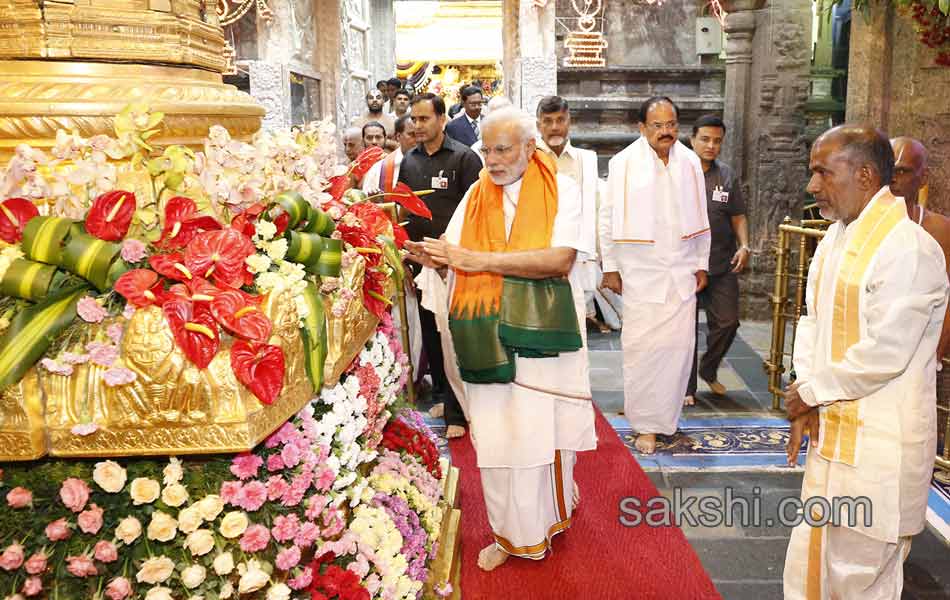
171 408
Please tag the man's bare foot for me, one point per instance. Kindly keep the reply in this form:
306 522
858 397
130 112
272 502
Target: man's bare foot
646 443
491 557
437 410
454 431
689 401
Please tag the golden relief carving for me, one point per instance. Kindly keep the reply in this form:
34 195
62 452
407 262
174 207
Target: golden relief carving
37 98
171 408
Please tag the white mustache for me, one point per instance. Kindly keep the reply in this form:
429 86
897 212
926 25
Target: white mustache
556 140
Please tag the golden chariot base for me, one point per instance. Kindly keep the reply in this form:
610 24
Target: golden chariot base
38 97
447 565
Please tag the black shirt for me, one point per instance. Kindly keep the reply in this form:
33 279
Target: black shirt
730 204
455 162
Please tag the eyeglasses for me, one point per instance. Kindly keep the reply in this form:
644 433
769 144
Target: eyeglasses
662 126
487 151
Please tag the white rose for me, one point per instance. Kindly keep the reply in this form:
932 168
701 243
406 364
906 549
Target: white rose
155 570
233 524
159 593
210 507
173 472
144 490
163 527
109 476
189 519
252 580
193 576
279 592
175 495
226 590
200 542
223 563
128 530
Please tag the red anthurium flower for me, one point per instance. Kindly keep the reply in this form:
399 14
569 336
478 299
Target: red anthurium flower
140 287
171 265
110 215
14 214
399 235
220 255
244 222
194 329
366 159
239 316
260 367
410 201
183 222
373 298
202 290
338 186
281 222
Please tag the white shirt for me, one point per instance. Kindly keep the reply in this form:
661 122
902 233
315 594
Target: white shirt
568 162
471 120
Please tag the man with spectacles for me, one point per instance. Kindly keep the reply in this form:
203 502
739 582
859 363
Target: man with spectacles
654 241
465 128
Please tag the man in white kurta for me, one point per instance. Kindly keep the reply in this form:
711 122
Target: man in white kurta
526 433
865 358
654 240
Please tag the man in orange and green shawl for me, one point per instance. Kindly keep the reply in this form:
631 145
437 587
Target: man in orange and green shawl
515 317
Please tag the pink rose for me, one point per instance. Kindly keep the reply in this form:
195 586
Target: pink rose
90 521
252 496
285 528
288 558
119 589
230 490
19 497
36 564
245 466
276 487
255 538
58 530
81 566
74 493
132 250
105 552
12 557
32 586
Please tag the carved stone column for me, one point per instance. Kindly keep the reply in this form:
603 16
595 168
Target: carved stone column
739 29
531 66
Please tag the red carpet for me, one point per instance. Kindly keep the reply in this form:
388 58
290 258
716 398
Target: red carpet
597 558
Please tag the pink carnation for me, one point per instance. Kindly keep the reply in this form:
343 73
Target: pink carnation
115 332
255 538
90 521
276 487
119 589
102 354
58 530
12 557
285 527
83 429
290 455
132 251
105 552
334 524
19 497
288 558
81 566
32 586
308 534
293 495
91 311
275 462
56 368
230 491
245 466
315 506
74 494
118 376
303 580
36 564
252 496
128 311
325 479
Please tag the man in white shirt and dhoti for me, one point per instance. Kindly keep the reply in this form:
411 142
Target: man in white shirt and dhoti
654 242
515 321
865 358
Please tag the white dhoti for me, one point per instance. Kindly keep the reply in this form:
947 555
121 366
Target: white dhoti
435 298
414 351
657 342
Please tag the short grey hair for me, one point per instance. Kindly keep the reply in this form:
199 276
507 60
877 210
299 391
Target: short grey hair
497 103
509 114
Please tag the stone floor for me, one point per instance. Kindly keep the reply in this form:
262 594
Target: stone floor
737 443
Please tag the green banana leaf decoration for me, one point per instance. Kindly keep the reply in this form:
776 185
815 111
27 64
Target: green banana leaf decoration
33 329
314 334
28 279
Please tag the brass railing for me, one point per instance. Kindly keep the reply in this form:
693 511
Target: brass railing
788 306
